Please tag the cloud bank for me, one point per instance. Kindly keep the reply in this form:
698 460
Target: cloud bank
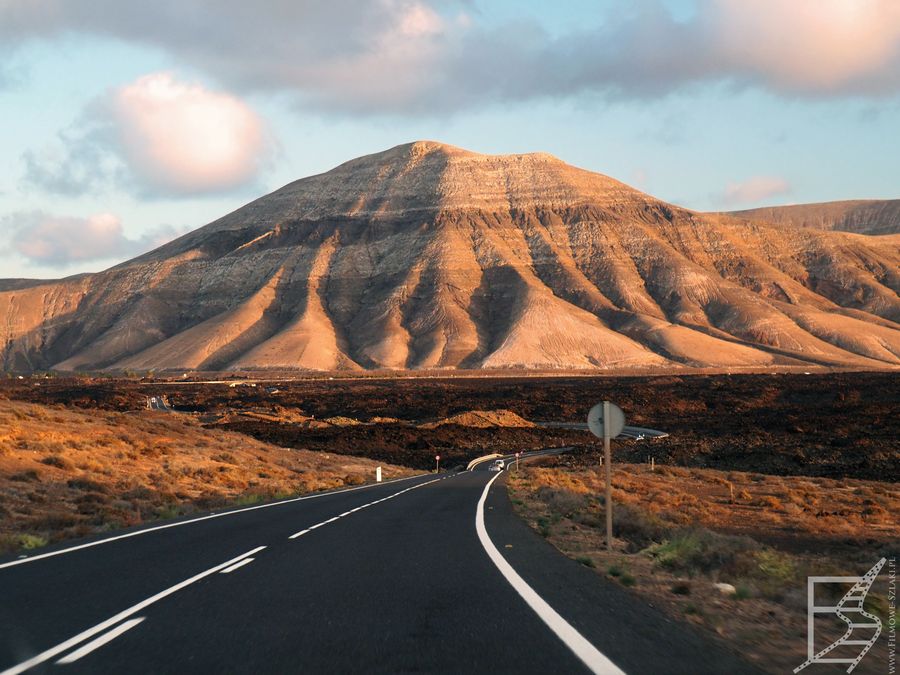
156 136
380 57
754 191
58 241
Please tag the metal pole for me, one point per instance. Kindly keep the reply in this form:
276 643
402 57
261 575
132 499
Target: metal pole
607 454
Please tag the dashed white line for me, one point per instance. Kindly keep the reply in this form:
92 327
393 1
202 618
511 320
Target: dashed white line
124 614
351 511
229 570
100 641
70 549
592 657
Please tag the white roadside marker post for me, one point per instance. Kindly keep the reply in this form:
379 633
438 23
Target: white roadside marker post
437 463
606 420
378 474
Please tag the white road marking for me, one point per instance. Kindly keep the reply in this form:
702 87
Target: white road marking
124 614
229 570
100 641
351 511
593 658
41 556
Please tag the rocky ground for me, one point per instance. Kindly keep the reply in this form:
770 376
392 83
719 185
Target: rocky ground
827 425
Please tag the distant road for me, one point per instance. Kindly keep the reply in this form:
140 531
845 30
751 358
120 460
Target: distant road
627 432
428 574
158 403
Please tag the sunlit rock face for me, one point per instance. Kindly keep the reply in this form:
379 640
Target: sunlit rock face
428 256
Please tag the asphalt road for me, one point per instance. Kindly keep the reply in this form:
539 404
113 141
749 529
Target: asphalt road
157 403
429 574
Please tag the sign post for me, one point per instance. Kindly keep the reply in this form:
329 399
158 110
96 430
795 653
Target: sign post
606 420
517 461
437 465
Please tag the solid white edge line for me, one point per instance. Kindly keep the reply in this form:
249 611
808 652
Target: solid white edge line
100 641
236 566
593 658
89 544
124 614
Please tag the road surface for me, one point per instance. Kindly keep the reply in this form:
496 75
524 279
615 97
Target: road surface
158 403
427 574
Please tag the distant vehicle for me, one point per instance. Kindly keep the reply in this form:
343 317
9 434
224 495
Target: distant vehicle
498 465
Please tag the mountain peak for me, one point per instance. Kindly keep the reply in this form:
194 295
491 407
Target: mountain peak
430 256
427 175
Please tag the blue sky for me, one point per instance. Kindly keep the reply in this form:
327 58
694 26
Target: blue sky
705 103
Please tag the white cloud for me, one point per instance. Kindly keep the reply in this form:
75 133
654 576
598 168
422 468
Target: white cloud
810 45
159 137
377 57
754 190
183 138
57 241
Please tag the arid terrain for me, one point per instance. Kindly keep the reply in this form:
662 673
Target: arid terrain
678 532
764 479
828 425
68 472
430 256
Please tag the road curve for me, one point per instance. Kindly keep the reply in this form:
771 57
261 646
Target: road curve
395 577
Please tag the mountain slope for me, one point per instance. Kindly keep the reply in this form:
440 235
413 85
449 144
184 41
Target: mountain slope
859 216
429 256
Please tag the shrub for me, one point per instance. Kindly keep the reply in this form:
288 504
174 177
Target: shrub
57 461
11 543
86 484
637 527
770 502
562 500
742 592
27 476
699 550
543 526
774 572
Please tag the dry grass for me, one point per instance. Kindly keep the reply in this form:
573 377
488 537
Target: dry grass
67 472
679 531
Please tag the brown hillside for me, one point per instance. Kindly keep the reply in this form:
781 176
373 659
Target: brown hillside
860 216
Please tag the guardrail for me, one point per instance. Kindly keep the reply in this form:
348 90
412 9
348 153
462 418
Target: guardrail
478 460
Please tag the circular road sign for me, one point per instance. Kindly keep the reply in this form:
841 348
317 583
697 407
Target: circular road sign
596 422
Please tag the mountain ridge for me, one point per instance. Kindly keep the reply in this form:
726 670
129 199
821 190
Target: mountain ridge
429 256
861 216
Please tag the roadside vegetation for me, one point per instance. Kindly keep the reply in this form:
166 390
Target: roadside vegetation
726 551
71 472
